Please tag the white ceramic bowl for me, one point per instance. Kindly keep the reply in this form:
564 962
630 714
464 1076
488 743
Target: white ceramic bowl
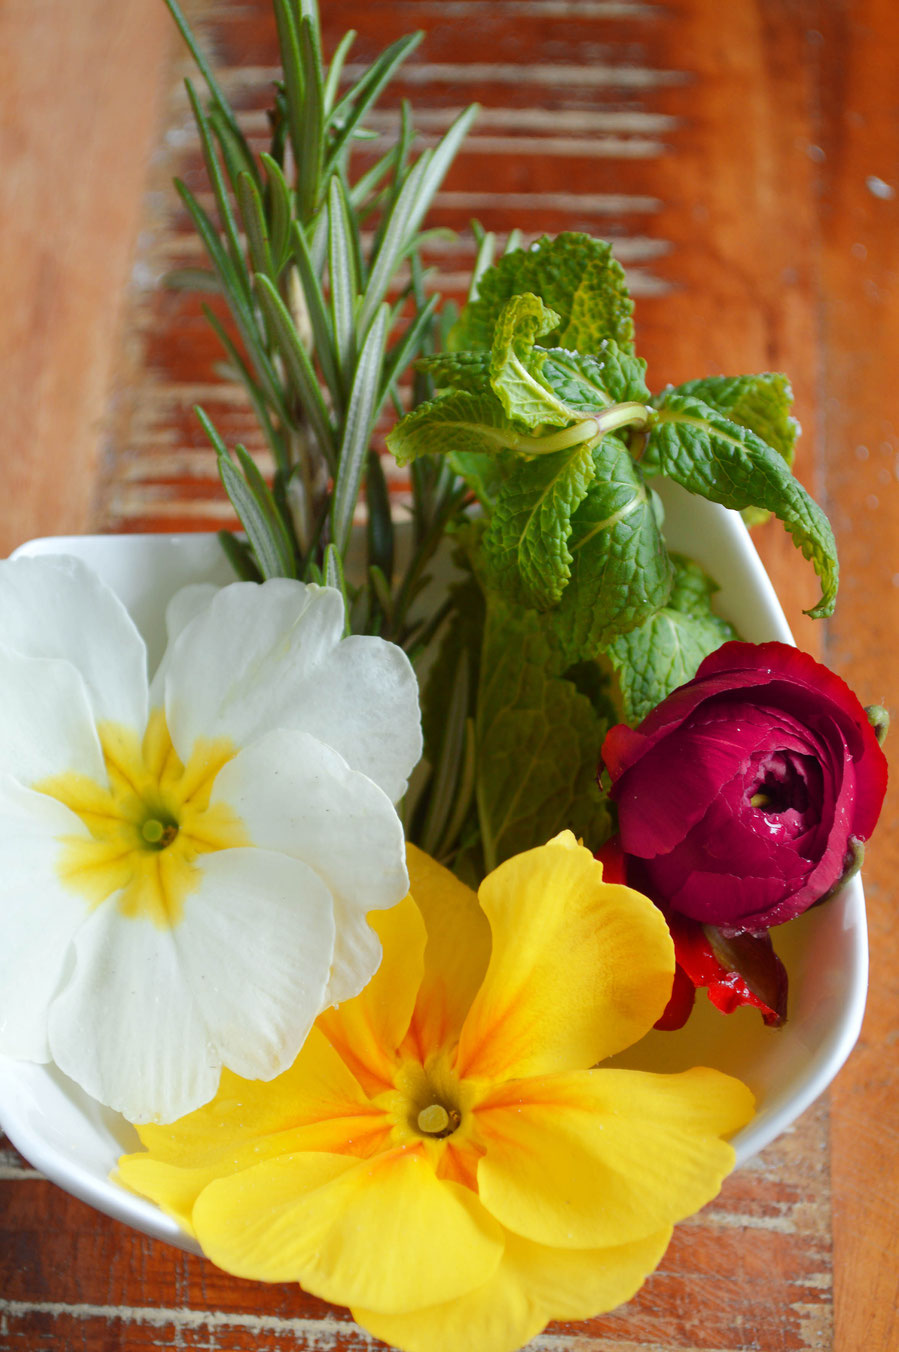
75 1142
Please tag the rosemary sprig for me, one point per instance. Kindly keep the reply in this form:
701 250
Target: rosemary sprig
319 348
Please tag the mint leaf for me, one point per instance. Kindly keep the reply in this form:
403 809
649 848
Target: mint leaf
572 274
620 570
708 454
457 422
760 402
589 381
458 370
515 365
538 742
484 474
666 650
525 547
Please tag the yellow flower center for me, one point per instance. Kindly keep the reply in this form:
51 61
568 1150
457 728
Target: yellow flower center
148 825
432 1109
435 1120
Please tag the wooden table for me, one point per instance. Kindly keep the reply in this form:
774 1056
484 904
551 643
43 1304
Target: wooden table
745 159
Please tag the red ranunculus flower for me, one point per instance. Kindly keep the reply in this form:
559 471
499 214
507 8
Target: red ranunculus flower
745 793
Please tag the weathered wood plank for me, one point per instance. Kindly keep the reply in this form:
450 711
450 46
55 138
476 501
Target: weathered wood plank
78 102
859 137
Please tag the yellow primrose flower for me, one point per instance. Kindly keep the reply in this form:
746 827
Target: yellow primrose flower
440 1157
186 863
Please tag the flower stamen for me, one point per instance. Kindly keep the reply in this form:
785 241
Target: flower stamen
159 834
435 1120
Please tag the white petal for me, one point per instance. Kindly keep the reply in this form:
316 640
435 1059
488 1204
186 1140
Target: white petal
38 916
55 606
127 1027
256 942
150 1014
364 702
271 656
230 667
357 956
185 605
46 724
298 796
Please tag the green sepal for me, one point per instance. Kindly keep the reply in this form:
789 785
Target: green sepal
708 454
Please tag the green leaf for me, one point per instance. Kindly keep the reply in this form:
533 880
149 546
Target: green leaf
362 411
405 347
572 274
515 365
219 100
526 544
239 556
620 570
760 402
255 227
292 66
586 382
335 69
220 192
456 422
666 650
708 454
278 212
409 211
254 505
309 163
468 371
319 318
296 360
484 474
379 529
232 286
333 576
538 741
344 281
352 108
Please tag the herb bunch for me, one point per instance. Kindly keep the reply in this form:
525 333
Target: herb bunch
322 274
575 615
532 441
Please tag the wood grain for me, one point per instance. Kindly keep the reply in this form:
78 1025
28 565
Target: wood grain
745 161
859 134
79 87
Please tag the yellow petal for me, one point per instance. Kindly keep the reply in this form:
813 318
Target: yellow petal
315 1105
579 970
456 955
532 1285
382 1233
367 1030
606 1156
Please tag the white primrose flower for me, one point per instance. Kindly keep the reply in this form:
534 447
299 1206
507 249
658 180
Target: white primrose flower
185 866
